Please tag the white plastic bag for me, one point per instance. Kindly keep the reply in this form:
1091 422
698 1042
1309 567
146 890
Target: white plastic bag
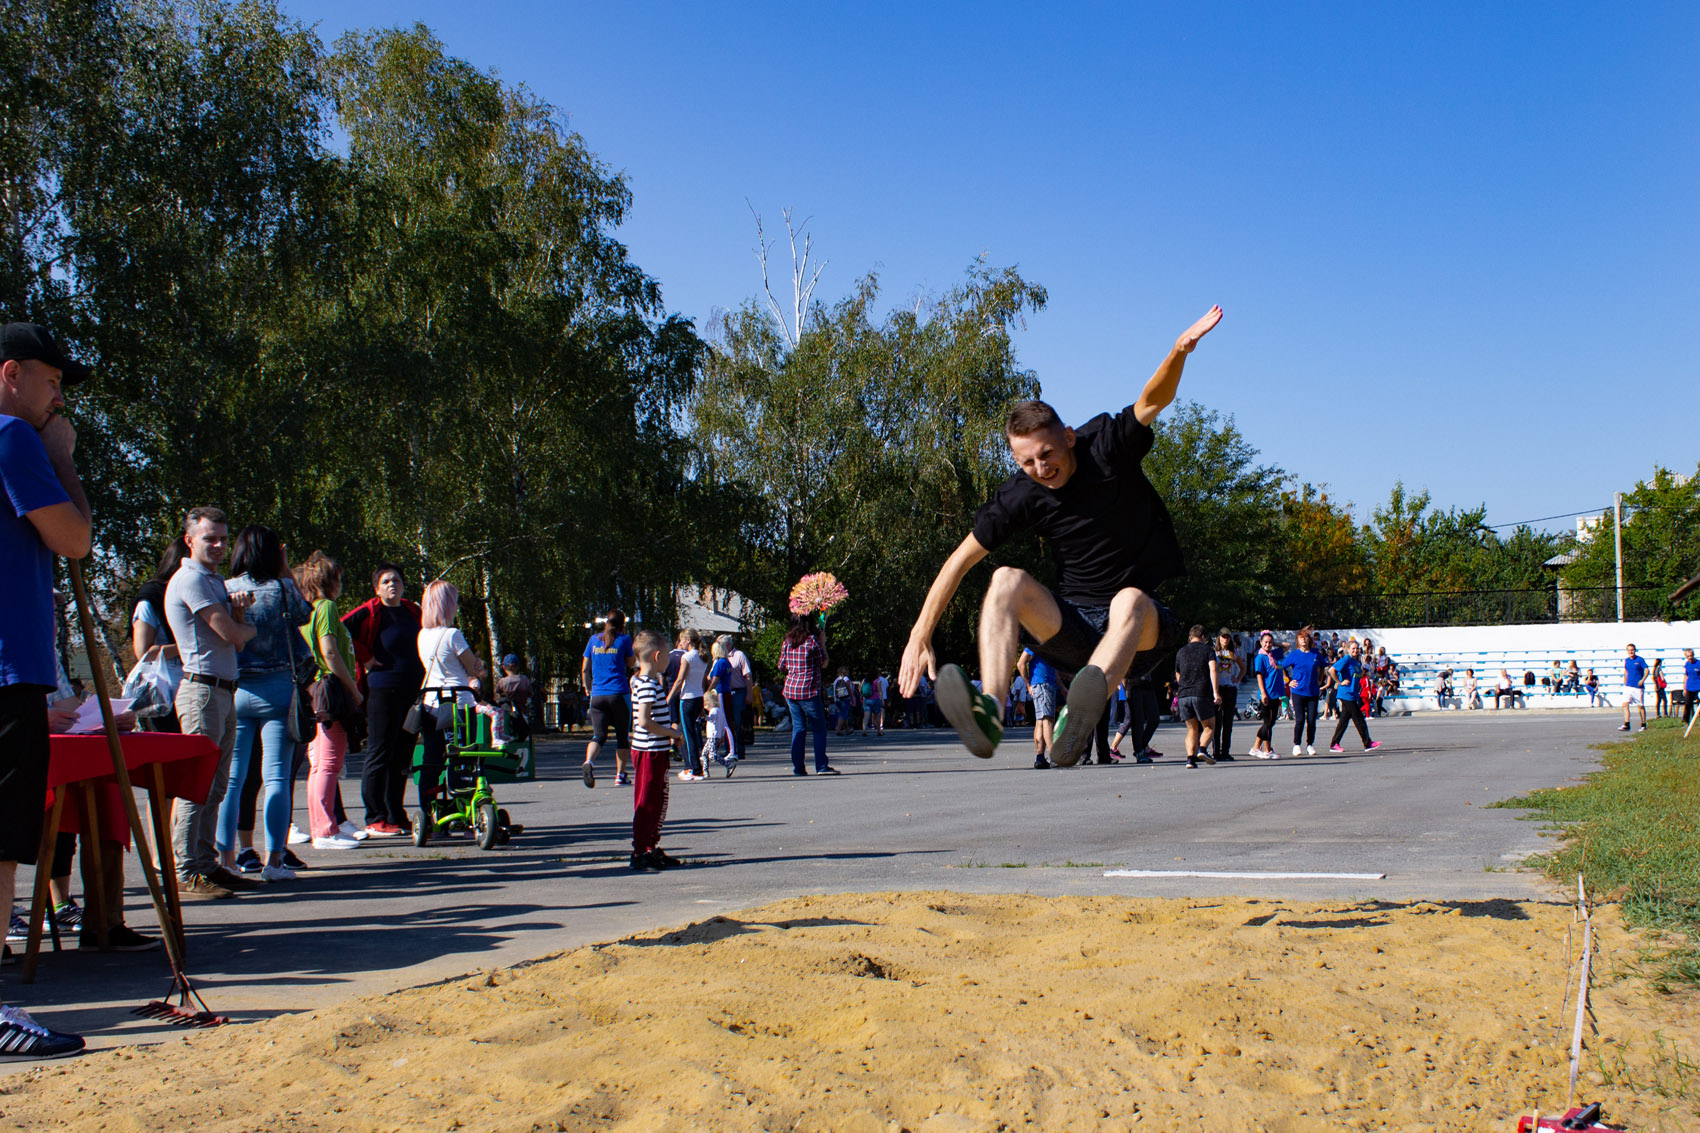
150 688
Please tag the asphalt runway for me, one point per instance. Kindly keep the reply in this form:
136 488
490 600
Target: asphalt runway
911 811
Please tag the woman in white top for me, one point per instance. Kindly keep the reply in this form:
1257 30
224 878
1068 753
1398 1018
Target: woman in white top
452 669
687 692
1228 674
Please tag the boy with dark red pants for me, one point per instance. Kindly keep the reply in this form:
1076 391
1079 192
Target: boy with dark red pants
652 748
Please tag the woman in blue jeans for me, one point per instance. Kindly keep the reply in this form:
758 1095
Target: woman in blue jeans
802 658
266 682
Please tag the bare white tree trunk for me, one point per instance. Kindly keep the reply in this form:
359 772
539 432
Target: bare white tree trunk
490 621
803 278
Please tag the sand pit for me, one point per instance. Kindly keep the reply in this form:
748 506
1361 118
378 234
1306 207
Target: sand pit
940 1011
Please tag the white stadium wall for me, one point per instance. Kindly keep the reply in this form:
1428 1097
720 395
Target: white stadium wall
1423 652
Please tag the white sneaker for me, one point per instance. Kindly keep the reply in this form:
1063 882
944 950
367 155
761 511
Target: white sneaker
349 830
1252 751
296 836
277 873
1264 754
1297 750
336 842
1309 750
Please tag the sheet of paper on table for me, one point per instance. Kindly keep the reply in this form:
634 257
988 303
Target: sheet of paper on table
88 715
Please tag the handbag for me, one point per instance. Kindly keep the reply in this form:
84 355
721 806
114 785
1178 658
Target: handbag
298 721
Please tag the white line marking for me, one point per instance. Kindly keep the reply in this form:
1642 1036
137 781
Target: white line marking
1275 876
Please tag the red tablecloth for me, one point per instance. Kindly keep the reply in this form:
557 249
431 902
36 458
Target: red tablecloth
188 764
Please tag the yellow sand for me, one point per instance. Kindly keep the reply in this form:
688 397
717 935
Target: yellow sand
944 1011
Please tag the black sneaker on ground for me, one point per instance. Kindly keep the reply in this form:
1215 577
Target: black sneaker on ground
234 882
22 1039
1191 763
589 775
120 938
663 859
248 861
644 863
1040 763
290 861
1224 757
1143 759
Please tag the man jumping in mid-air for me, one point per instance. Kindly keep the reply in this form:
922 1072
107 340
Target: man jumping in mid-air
1085 493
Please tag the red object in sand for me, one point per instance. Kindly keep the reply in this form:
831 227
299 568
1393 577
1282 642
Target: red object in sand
1583 1117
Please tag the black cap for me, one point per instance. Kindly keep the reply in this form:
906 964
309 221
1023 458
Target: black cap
23 341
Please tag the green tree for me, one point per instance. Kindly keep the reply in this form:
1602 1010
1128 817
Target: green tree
1227 512
869 445
1322 549
1661 547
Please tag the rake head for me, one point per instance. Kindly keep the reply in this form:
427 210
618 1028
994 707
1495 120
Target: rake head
181 1007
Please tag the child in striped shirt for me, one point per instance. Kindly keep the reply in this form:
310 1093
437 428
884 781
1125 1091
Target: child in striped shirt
652 747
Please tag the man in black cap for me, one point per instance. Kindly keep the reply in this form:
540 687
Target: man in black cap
44 513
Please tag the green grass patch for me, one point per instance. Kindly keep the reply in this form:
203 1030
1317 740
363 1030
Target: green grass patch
1632 830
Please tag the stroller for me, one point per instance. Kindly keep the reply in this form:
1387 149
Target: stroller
473 758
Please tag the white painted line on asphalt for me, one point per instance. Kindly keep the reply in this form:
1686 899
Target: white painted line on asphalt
1271 875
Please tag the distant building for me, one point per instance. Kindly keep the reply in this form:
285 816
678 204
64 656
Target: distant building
711 610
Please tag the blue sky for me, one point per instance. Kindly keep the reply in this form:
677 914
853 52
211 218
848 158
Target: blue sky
1457 244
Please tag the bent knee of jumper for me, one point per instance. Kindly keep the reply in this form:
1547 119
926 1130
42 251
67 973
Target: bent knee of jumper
1130 602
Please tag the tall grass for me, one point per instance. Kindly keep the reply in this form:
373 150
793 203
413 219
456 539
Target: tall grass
1632 830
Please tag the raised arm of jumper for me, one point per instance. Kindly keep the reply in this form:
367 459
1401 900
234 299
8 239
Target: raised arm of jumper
1160 390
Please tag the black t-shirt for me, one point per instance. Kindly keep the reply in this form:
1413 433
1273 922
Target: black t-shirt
1107 526
1192 662
395 654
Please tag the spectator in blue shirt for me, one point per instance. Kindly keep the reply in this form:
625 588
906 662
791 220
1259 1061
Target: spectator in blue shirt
1690 684
1271 687
1634 680
1304 667
43 513
1348 675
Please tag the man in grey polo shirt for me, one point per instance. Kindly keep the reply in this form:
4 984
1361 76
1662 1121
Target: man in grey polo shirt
208 624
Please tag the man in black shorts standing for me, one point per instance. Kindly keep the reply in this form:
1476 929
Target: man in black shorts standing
1198 695
1085 493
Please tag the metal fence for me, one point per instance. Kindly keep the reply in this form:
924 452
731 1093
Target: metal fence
1476 607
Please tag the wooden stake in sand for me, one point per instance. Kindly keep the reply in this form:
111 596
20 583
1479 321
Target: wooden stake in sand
1581 988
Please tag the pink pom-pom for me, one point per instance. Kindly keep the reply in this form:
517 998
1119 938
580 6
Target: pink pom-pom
819 592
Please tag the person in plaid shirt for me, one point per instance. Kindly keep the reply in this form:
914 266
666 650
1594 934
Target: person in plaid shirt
802 658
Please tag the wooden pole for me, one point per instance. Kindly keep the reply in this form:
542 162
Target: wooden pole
121 771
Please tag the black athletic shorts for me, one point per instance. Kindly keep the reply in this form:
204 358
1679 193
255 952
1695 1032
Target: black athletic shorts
606 710
1070 648
24 754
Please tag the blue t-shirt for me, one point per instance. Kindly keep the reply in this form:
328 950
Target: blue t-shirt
1304 667
26 565
1691 676
1634 672
1347 670
608 676
1043 673
1274 680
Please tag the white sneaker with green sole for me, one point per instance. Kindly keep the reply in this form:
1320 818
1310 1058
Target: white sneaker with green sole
972 713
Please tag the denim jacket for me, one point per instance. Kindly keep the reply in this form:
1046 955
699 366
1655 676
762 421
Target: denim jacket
276 615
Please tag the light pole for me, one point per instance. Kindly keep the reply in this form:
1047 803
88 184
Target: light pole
1617 534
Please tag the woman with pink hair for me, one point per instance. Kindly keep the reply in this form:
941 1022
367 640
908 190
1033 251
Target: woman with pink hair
452 671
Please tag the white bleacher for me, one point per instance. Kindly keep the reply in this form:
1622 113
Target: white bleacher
1422 653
